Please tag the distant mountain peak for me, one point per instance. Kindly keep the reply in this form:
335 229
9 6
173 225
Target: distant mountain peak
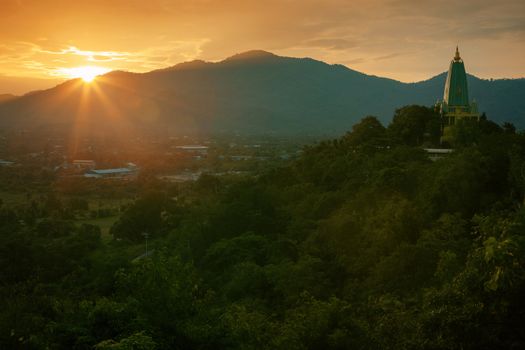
249 55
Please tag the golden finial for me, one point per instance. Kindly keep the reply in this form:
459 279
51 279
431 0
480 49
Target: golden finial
456 57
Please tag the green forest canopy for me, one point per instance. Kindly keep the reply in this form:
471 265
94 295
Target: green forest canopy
361 243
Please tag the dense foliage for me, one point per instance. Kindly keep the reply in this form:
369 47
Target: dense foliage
361 243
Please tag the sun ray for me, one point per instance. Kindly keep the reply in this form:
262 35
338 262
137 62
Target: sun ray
115 124
79 124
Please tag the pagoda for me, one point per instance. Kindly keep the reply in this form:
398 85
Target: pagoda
455 105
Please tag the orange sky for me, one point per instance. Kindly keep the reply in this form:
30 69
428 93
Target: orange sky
407 40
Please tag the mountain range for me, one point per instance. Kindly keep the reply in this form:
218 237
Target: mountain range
252 92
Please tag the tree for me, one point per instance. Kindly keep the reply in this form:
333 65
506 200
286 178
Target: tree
416 125
137 341
509 128
487 126
145 215
368 132
463 134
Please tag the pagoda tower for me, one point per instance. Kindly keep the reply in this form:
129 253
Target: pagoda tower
455 105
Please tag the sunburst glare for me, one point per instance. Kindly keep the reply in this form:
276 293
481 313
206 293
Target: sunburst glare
86 73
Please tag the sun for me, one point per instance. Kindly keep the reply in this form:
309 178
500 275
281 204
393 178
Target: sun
86 73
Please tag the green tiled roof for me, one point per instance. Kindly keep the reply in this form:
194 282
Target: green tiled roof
456 90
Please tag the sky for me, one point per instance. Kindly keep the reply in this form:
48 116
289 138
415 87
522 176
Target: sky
44 42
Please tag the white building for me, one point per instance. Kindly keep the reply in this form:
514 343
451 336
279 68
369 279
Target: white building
84 164
117 173
438 153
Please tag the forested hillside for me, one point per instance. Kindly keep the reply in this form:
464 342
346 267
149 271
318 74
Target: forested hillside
361 243
251 93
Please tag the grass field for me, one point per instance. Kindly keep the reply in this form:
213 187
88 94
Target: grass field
14 199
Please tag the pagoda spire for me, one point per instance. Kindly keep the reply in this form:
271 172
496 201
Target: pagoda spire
457 57
456 104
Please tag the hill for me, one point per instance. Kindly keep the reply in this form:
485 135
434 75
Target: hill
6 97
252 92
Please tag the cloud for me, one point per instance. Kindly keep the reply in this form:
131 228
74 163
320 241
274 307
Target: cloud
72 50
34 59
402 39
387 57
331 43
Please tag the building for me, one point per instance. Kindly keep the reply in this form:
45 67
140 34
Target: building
438 153
84 164
118 173
6 163
456 104
193 149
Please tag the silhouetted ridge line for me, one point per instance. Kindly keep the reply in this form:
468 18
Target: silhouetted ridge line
252 92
